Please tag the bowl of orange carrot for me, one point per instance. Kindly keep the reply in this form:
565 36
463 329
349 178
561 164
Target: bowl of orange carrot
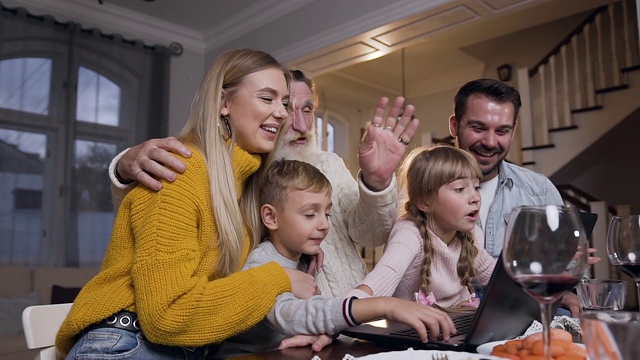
531 347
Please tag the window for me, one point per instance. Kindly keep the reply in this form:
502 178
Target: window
69 102
25 84
332 134
98 98
22 168
27 199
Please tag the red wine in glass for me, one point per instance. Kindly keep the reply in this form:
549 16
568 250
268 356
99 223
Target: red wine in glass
545 253
546 287
631 269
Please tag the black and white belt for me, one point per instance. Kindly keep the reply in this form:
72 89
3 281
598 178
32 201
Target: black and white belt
121 320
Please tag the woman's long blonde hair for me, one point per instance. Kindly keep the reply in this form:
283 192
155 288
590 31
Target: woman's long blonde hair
208 132
422 174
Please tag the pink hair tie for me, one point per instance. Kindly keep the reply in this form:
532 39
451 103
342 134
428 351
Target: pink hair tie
425 299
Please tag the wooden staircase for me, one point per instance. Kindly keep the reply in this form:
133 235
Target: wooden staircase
585 87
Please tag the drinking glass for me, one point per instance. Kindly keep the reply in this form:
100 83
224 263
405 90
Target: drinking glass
623 246
611 335
598 294
545 252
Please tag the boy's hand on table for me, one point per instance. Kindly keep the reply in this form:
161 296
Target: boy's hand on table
317 342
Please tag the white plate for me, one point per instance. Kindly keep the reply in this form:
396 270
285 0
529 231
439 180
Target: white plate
487 348
411 354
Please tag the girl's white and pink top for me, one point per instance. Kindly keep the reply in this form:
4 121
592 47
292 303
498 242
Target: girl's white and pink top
399 271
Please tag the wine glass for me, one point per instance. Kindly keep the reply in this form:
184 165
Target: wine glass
623 246
545 252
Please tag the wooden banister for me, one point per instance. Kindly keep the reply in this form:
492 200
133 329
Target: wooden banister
567 39
565 191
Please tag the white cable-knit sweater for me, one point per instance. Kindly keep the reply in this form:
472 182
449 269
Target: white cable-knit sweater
358 216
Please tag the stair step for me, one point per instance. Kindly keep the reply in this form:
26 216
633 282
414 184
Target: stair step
563 128
612 88
547 146
591 108
630 68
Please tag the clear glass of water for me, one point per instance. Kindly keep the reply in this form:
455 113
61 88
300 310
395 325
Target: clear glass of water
611 335
596 294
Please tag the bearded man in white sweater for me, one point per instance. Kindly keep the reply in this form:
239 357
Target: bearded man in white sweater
363 211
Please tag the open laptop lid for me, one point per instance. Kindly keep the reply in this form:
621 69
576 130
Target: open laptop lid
498 293
588 222
505 312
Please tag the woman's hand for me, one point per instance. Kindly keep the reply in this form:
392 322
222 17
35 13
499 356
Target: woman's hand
303 285
153 159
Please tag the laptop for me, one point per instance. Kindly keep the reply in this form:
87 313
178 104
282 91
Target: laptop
505 312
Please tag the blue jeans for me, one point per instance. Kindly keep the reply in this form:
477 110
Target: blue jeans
113 343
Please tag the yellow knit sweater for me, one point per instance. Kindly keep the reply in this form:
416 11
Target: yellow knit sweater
160 264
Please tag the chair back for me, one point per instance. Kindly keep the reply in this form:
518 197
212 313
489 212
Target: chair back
41 324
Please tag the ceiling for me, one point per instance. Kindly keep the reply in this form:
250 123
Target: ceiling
444 42
400 42
451 44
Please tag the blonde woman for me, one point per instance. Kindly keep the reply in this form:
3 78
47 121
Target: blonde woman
170 284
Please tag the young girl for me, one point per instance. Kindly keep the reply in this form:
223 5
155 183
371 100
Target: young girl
435 251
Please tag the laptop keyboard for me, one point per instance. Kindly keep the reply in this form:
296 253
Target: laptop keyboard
462 323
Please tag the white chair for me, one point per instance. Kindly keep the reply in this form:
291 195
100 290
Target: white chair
41 324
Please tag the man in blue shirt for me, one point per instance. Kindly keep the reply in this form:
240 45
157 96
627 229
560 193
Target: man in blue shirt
483 123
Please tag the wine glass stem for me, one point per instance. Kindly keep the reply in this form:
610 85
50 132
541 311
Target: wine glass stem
638 290
546 310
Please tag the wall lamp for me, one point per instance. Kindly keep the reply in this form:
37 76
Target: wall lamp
504 72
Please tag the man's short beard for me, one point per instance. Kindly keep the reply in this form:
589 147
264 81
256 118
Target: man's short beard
308 152
493 168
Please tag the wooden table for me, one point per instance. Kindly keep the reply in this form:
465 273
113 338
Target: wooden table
337 350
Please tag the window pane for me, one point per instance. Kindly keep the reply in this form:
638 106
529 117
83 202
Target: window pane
98 99
91 200
330 138
319 137
21 185
25 84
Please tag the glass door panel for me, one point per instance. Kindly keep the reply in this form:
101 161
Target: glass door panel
91 199
22 172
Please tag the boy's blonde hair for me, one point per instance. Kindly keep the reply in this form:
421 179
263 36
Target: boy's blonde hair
207 131
422 174
284 176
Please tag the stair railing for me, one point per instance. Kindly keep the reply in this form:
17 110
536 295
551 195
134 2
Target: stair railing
570 77
580 198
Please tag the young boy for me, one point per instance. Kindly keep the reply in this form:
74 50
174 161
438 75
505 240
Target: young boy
295 203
